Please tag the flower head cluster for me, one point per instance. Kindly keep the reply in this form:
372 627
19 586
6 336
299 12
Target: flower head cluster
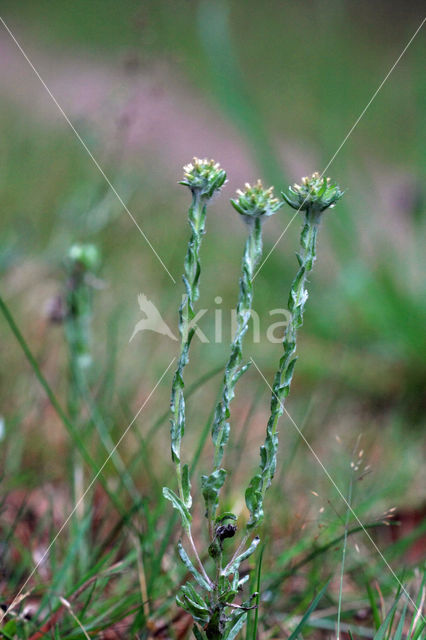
314 194
84 256
203 177
256 201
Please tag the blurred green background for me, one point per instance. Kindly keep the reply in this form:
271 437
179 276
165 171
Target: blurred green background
269 90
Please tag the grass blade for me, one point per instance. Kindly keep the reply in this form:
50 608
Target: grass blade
310 609
374 608
252 632
387 623
55 404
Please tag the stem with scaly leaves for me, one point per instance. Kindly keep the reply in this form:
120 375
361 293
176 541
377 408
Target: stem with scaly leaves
203 178
192 270
254 204
233 370
191 276
313 197
82 262
281 387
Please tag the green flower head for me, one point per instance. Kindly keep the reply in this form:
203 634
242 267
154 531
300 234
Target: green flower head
84 256
256 201
315 194
203 177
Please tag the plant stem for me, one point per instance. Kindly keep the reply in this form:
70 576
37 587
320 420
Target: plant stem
191 276
238 550
233 370
197 557
297 299
77 334
192 269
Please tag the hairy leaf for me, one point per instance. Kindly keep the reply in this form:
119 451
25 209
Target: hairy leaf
186 486
227 515
187 562
179 505
254 501
211 486
198 633
237 626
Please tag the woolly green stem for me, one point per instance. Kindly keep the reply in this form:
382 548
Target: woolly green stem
281 387
203 178
233 370
78 315
212 484
191 276
297 301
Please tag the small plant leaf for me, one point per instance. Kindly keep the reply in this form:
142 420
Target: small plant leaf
187 562
192 602
233 566
199 614
186 486
189 590
254 501
179 505
198 633
236 627
226 515
9 630
211 486
243 581
228 596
